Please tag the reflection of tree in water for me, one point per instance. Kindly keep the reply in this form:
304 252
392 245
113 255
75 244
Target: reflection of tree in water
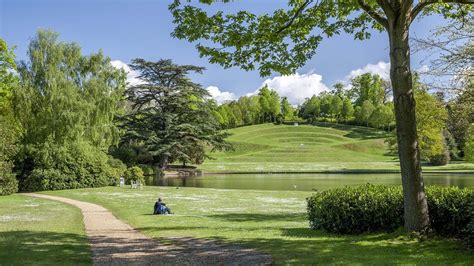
459 180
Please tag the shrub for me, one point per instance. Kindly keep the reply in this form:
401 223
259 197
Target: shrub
134 173
468 232
449 209
440 159
372 208
50 166
359 209
117 169
8 182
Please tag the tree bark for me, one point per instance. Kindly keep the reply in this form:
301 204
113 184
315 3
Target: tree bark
415 205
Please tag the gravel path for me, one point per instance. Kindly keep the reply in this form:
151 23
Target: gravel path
114 242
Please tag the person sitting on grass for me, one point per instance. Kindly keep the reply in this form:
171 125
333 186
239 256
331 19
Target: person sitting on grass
161 208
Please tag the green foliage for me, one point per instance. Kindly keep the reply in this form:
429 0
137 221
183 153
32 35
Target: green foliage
468 232
171 118
360 209
440 159
50 166
364 113
284 40
287 111
7 79
8 182
9 131
469 149
449 209
347 109
269 104
430 121
65 104
368 87
371 208
116 169
66 96
134 173
461 115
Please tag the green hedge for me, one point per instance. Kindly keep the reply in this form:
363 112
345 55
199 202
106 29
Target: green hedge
371 208
356 209
53 167
449 209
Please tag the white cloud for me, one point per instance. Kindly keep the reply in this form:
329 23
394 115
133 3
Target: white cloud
131 74
296 87
423 69
381 68
220 96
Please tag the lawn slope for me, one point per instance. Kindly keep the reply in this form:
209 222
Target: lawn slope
307 148
269 147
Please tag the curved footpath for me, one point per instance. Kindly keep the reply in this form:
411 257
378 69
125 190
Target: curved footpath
114 242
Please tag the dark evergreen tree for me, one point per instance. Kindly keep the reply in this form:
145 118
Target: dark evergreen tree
171 117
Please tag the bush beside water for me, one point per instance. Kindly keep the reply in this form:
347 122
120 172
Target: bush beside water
134 173
371 208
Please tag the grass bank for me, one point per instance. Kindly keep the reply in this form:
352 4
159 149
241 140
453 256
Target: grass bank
305 148
270 221
36 231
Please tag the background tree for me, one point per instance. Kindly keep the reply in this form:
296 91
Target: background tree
431 120
286 39
287 110
347 109
9 131
368 87
470 145
364 112
451 57
382 116
65 96
311 108
171 118
66 104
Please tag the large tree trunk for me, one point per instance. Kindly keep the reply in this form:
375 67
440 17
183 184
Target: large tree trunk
415 205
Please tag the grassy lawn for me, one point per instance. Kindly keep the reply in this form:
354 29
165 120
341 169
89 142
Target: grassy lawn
37 231
306 148
271 221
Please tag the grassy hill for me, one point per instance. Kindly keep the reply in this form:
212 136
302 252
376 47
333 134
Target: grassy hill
305 148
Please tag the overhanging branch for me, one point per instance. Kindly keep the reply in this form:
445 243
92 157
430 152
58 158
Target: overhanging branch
374 14
293 18
422 4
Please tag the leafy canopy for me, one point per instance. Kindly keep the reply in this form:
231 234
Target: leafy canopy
284 40
66 96
171 118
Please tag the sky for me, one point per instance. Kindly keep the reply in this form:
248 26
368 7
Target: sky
128 29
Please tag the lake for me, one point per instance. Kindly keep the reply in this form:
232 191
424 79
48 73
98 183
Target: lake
306 182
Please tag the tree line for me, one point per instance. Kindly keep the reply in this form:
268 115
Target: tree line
70 120
442 124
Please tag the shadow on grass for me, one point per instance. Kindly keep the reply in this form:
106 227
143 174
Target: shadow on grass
29 247
356 132
259 217
302 246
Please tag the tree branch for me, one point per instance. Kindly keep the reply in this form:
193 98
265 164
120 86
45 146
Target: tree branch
297 13
422 4
374 14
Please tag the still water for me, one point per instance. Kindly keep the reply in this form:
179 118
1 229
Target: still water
305 182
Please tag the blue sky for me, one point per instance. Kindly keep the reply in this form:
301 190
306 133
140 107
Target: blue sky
129 29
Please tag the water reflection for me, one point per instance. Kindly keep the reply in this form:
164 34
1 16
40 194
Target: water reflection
305 182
